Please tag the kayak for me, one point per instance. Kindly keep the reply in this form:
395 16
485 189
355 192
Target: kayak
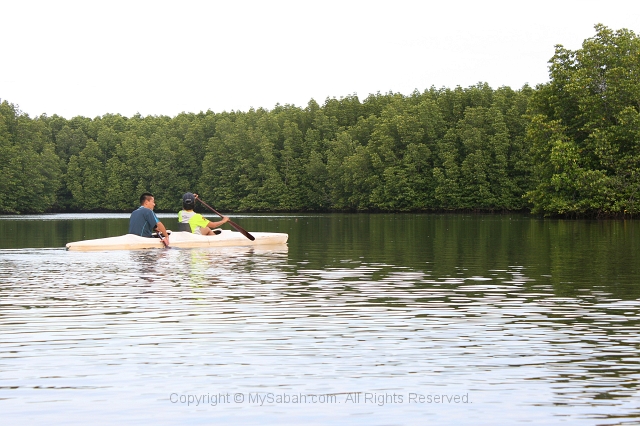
226 238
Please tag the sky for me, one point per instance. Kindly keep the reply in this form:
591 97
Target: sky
97 57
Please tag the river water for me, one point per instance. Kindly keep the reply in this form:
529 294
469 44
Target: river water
361 319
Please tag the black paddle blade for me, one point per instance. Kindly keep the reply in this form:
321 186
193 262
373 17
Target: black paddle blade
235 225
242 231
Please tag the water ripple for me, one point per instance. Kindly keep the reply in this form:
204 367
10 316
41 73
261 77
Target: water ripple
121 331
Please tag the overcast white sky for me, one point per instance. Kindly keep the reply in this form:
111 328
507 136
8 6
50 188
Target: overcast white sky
93 57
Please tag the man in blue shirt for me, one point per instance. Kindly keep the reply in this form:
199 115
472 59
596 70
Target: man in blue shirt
144 221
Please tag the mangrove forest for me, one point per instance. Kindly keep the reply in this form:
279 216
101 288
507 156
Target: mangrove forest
569 147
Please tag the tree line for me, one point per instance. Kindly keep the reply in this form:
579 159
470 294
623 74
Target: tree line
567 147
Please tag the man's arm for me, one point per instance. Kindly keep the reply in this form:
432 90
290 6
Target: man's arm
160 227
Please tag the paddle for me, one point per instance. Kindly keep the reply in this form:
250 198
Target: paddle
163 239
235 225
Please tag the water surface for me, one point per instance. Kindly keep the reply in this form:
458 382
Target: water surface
360 319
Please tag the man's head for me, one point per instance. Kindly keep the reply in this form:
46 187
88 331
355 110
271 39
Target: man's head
147 200
188 201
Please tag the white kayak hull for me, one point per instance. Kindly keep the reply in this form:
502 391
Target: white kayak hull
180 239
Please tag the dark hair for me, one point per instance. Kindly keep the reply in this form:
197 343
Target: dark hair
144 197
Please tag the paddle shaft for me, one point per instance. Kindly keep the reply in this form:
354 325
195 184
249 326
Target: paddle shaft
163 239
235 225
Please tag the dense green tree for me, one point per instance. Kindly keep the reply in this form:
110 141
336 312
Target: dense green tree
222 167
345 110
351 178
568 147
8 156
400 147
454 102
446 173
294 197
108 139
584 128
70 142
29 166
389 152
120 189
484 170
260 166
86 178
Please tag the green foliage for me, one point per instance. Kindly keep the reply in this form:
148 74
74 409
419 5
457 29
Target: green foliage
29 167
568 147
86 178
584 129
389 153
